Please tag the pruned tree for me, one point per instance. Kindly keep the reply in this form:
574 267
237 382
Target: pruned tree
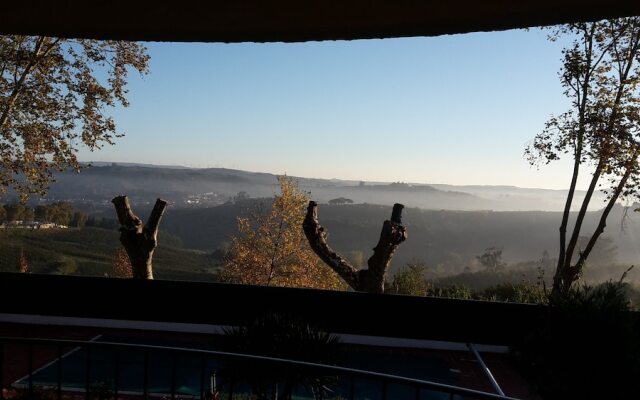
54 97
600 74
364 280
271 249
139 241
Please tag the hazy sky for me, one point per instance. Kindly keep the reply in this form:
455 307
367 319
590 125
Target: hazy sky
453 109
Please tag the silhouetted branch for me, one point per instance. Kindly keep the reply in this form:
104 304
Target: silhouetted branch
139 242
317 237
154 218
392 234
365 280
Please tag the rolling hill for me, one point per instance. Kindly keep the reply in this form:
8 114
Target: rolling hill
188 187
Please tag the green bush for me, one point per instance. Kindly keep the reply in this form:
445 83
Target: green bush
452 292
409 280
515 293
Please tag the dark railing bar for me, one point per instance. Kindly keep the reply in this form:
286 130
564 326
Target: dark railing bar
486 369
417 392
30 370
353 371
174 357
352 387
145 377
384 390
88 374
1 371
116 373
59 388
203 364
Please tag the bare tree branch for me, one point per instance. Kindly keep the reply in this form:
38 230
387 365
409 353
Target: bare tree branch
365 280
139 242
154 218
126 217
317 237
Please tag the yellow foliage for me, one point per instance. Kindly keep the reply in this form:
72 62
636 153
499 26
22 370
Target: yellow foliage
121 265
272 250
23 263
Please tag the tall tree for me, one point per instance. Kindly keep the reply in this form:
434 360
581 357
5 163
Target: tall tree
600 75
54 97
271 249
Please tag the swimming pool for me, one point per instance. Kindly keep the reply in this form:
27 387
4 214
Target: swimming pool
189 376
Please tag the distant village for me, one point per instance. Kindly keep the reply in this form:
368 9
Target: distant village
59 215
31 225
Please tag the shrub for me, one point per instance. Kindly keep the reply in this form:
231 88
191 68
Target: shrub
453 292
282 336
515 293
409 280
586 347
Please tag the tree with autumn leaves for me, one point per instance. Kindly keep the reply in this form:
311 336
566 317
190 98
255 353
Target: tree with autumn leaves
55 97
601 130
271 248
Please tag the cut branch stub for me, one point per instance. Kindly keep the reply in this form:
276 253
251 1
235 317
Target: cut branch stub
365 280
138 241
392 234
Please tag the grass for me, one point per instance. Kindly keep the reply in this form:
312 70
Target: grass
90 251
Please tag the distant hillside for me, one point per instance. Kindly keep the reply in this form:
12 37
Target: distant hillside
95 186
446 241
449 240
90 251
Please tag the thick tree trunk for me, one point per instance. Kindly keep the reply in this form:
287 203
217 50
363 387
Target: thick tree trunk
366 280
605 214
139 242
582 91
566 274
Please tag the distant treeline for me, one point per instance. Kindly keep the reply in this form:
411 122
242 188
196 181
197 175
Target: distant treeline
60 213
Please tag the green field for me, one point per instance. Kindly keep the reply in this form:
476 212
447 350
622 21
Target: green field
90 251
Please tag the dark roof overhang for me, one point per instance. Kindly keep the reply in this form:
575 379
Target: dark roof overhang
292 20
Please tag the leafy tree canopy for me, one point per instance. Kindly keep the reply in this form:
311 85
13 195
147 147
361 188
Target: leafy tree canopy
271 248
54 97
600 76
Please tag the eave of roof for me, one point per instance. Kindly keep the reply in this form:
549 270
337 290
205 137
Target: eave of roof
292 20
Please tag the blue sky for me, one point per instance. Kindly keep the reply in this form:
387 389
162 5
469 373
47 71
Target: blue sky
452 109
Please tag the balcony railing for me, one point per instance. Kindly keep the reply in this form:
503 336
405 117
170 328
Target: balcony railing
197 373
